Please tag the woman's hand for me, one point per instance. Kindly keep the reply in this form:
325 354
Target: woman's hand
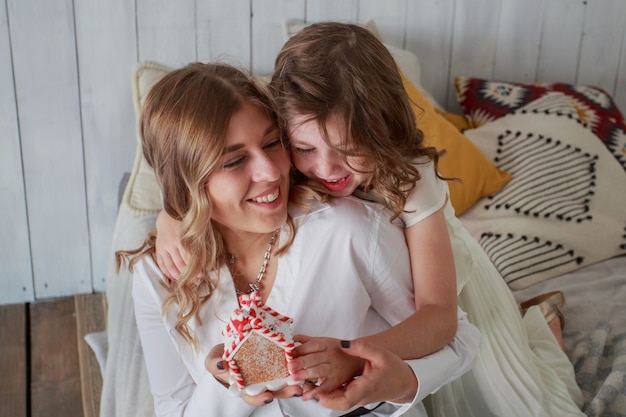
171 257
213 363
385 377
323 361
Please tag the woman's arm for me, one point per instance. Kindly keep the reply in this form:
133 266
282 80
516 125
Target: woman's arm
174 390
387 378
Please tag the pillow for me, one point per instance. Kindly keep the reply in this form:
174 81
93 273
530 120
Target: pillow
483 101
462 160
142 194
564 207
458 120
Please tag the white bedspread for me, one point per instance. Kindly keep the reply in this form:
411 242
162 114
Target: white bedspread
595 332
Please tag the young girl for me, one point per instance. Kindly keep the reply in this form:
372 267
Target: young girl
352 130
210 134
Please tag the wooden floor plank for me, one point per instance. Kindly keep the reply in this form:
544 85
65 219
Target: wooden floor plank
13 361
54 369
90 317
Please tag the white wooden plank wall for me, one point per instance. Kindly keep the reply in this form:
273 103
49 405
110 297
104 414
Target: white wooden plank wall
106 53
67 128
44 61
16 277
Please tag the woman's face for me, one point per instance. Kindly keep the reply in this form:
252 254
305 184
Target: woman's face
317 160
249 187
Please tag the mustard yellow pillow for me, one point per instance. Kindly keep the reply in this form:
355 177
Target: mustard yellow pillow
462 160
458 120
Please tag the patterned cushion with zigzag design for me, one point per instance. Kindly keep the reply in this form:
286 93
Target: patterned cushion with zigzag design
566 204
483 101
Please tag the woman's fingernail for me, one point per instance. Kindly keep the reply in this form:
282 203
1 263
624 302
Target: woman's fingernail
220 365
268 401
345 344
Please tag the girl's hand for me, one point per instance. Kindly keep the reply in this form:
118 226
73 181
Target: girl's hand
322 361
213 364
171 257
385 377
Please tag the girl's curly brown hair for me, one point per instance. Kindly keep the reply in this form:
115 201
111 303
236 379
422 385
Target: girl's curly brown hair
343 70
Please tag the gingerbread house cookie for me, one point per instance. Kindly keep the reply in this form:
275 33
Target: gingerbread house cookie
257 346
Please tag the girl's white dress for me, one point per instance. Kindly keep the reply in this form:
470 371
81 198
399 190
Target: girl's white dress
521 370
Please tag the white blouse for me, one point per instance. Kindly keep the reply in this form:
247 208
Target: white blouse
346 275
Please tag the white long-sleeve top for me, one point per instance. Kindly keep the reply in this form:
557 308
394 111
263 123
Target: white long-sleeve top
346 275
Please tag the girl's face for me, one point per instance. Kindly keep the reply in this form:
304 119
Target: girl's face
249 187
317 160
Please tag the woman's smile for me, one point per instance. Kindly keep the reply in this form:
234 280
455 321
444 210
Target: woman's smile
271 197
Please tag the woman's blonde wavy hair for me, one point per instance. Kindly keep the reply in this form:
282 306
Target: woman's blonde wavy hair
184 121
343 70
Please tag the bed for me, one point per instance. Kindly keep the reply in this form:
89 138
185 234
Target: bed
544 191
